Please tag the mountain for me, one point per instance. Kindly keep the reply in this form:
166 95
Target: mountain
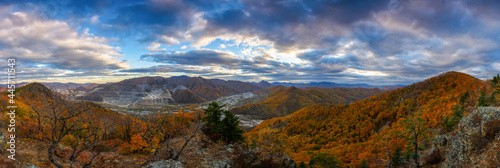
159 90
357 132
59 87
17 84
323 85
243 86
282 100
83 133
186 96
206 88
264 84
336 85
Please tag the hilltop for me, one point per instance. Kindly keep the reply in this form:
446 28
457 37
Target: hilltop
56 131
282 100
355 133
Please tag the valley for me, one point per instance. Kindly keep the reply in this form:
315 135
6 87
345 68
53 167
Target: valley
141 96
352 126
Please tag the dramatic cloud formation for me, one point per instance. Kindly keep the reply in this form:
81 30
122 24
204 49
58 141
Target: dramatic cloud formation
53 48
351 41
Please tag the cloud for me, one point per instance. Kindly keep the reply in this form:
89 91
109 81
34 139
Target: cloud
194 57
169 40
94 19
295 39
155 47
32 41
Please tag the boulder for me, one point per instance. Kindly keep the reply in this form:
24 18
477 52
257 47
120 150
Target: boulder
165 164
468 146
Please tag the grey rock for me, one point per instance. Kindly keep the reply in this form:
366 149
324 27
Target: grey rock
229 148
288 162
439 141
438 144
30 165
460 145
165 164
2 137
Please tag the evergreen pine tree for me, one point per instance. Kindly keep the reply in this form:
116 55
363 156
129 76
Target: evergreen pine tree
397 158
214 113
227 127
482 100
230 130
364 164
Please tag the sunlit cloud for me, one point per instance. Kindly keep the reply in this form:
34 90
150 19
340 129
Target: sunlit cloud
377 42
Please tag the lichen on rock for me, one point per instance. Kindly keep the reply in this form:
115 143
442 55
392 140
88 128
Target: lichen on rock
470 145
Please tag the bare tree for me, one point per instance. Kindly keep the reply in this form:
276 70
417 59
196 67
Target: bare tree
178 154
58 118
415 129
158 124
416 132
388 152
152 129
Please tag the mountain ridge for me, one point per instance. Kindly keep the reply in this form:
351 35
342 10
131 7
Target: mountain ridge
354 132
282 100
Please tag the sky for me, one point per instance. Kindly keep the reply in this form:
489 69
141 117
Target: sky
378 42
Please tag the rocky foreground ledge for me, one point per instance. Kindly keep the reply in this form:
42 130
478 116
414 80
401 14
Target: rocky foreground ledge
474 143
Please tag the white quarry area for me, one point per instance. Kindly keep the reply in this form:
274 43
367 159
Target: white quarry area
156 94
245 121
230 101
180 87
70 92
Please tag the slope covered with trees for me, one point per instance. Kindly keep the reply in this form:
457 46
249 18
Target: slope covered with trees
368 131
54 130
282 100
74 133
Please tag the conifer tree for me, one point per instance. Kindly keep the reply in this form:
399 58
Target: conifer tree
227 127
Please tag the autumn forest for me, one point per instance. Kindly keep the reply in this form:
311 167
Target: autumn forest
305 127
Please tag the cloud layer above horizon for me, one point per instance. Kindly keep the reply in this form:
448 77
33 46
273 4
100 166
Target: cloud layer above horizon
345 41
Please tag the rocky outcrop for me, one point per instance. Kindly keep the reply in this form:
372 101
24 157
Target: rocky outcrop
165 164
30 165
207 153
474 143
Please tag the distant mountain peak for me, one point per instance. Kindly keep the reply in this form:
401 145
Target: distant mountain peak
180 77
264 84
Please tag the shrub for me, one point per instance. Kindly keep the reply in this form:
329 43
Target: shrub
137 145
482 100
324 160
397 157
364 164
492 128
458 113
434 158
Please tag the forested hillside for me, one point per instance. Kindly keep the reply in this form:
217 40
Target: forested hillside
365 131
282 100
54 130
